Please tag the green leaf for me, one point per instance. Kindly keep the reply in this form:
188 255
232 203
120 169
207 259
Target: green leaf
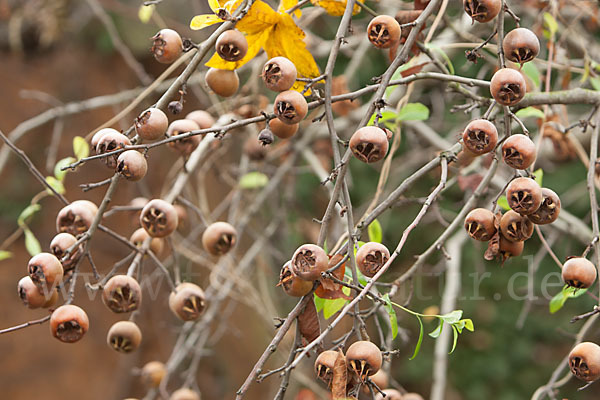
413 112
503 203
453 317
4 255
438 331
539 176
386 117
60 175
444 56
55 184
532 73
81 149
31 243
530 112
27 213
375 232
254 180
550 24
398 75
595 83
561 298
420 341
333 306
455 331
319 302
145 13
469 324
392 314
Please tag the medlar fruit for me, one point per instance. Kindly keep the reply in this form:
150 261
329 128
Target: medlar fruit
579 272
124 336
482 10
69 323
508 86
132 165
151 124
548 211
187 301
219 238
584 361
521 45
524 195
45 270
369 144
167 46
279 74
292 284
308 261
282 130
383 31
159 218
480 136
516 227
231 45
364 358
223 82
518 151
479 224
324 366
290 107
370 257
122 294
186 145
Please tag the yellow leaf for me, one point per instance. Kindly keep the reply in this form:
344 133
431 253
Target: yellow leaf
145 13
230 5
255 42
260 17
204 20
214 5
335 7
285 5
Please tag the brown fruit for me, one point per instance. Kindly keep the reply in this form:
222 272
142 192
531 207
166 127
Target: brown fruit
45 270
151 124
223 82
76 218
187 301
132 165
369 144
364 358
548 211
122 294
308 261
124 336
292 284
383 31
98 135
30 295
584 361
482 10
69 323
219 238
202 118
231 45
508 86
390 394
60 244
412 396
290 107
380 379
521 45
282 130
524 195
479 224
515 227
184 394
139 237
324 366
510 249
370 257
158 218
279 74
109 142
518 151
153 373
579 272
187 145
167 46
480 136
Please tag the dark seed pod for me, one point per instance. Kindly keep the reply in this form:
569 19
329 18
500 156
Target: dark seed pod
370 257
482 10
521 45
292 284
518 151
369 144
175 107
524 195
110 142
167 46
69 323
282 130
187 145
508 86
279 74
151 124
59 246
124 336
479 224
383 31
515 227
159 218
187 301
290 107
132 165
579 272
122 294
45 270
309 261
219 238
584 361
231 45
223 82
364 358
480 136
324 366
548 211
76 218
265 137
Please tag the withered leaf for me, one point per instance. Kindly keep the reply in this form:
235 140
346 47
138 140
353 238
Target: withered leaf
338 383
328 289
493 249
308 322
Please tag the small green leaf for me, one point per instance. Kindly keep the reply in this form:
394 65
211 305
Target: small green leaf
81 149
145 13
550 24
375 232
539 176
4 255
60 175
561 298
530 112
453 317
413 112
532 73
56 185
469 324
503 203
438 331
392 314
386 116
28 213
420 341
595 83
319 302
455 331
31 243
254 180
333 306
